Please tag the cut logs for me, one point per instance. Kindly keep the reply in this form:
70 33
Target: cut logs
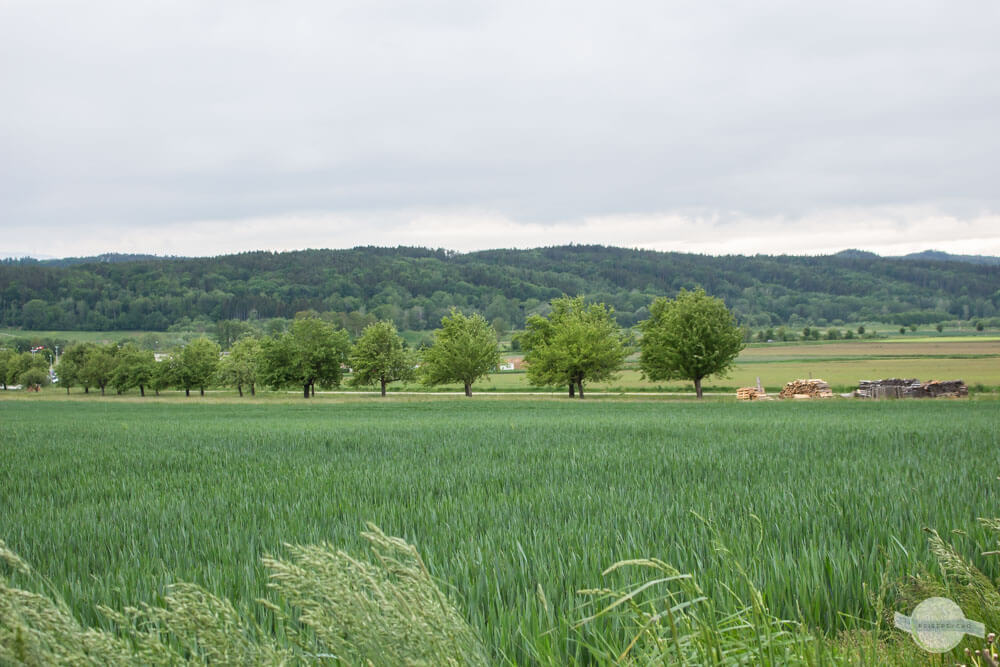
751 394
813 388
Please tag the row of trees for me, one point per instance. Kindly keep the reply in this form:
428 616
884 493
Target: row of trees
690 337
23 368
311 353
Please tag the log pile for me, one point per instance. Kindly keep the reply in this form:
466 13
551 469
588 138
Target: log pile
950 388
806 389
751 394
911 388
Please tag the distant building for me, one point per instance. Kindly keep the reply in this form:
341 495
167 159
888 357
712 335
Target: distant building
512 364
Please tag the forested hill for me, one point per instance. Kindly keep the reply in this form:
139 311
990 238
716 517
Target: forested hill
416 286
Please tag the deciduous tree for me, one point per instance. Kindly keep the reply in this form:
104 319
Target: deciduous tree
135 368
690 337
6 355
99 366
227 332
240 368
464 350
576 343
70 367
380 357
311 353
198 361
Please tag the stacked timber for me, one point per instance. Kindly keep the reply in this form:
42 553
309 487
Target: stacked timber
911 388
949 388
751 394
813 388
888 388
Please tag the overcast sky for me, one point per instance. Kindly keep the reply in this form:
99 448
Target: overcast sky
201 128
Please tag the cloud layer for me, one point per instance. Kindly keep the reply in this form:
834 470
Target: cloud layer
200 128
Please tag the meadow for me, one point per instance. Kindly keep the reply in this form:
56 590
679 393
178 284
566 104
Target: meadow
976 360
514 505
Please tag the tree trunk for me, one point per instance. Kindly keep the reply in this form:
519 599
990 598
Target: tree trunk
252 391
697 387
305 390
572 389
67 389
468 389
383 386
86 389
239 388
187 391
312 389
102 391
142 391
202 391
579 387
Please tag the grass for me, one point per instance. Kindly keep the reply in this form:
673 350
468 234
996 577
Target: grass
841 363
160 340
514 507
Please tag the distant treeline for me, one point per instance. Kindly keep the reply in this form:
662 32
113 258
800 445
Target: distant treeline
415 287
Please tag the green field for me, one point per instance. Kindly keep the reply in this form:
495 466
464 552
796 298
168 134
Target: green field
112 500
841 374
841 363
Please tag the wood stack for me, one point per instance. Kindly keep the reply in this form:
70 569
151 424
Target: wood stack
910 388
888 388
950 388
746 393
806 389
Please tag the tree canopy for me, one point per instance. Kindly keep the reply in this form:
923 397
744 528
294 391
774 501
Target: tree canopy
197 364
134 368
690 337
464 350
415 287
311 353
379 357
241 367
575 343
98 366
70 366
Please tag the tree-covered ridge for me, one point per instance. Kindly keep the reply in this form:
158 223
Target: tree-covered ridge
415 287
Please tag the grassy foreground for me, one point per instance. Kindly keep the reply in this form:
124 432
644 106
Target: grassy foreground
514 506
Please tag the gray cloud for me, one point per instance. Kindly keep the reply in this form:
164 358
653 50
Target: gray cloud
129 120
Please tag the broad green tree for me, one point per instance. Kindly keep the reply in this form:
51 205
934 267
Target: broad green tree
34 377
6 355
135 368
464 350
227 332
691 337
99 366
70 367
311 353
379 357
576 343
23 368
17 364
165 374
197 363
240 368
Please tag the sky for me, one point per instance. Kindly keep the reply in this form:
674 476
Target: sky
203 128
